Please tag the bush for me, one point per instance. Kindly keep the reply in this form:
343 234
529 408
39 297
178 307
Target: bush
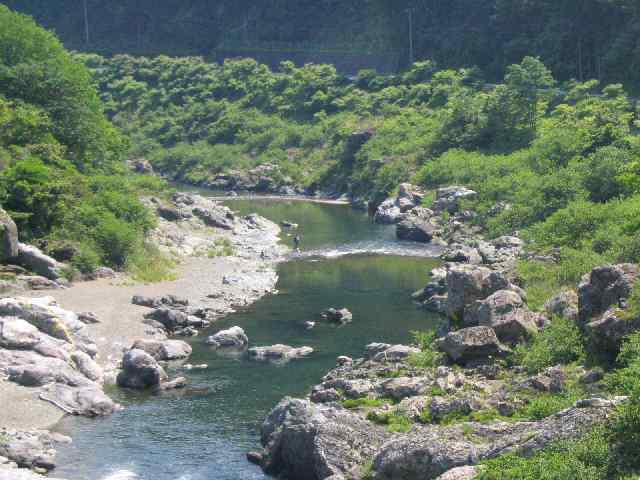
429 357
561 342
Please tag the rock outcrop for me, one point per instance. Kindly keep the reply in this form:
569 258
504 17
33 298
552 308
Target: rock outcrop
507 314
448 198
8 237
605 286
164 350
391 210
418 225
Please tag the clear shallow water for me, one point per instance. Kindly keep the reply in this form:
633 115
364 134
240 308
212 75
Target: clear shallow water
204 432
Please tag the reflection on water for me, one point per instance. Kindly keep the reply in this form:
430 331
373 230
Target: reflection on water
205 431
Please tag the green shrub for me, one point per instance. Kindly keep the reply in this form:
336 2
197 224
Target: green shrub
561 342
429 357
363 403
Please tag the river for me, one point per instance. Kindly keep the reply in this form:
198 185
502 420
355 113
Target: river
205 431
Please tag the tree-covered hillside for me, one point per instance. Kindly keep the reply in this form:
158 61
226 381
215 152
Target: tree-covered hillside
579 39
62 175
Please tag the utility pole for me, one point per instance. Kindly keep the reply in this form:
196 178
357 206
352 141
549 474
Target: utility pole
410 15
86 22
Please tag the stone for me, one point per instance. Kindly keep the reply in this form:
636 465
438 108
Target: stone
169 214
507 314
103 272
17 333
462 254
164 350
448 198
140 370
388 212
604 287
473 343
213 218
468 472
440 407
468 283
279 352
564 304
418 225
334 315
403 387
324 395
89 401
9 248
608 332
395 353
88 318
591 376
171 319
35 260
373 349
175 384
233 337
344 360
87 366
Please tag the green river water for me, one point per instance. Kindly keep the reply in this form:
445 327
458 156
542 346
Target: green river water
205 431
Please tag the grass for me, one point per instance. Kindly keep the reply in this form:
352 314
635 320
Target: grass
222 248
395 422
428 357
151 266
364 403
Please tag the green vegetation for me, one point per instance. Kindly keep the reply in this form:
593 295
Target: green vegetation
364 403
561 342
395 422
428 357
577 39
563 160
62 175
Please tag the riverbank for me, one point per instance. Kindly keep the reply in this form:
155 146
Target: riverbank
224 262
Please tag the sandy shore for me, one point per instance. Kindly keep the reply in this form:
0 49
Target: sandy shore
218 283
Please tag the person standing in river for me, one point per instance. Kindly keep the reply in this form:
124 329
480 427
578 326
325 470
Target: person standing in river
296 242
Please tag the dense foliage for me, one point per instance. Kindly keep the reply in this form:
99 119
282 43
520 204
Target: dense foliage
562 161
61 161
576 38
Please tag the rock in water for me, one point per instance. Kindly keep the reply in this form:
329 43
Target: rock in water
337 315
140 370
233 337
279 352
164 350
8 237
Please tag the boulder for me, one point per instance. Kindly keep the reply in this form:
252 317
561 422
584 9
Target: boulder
308 441
169 214
462 254
395 353
33 259
418 225
564 304
233 337
8 237
388 212
87 366
279 352
448 198
608 331
506 313
140 370
604 287
403 387
341 316
164 350
470 344
468 472
213 218
17 333
89 401
373 349
171 319
467 284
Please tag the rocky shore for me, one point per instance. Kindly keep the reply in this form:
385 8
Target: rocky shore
58 348
439 409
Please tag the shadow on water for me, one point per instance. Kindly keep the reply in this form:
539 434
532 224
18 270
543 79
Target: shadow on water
205 431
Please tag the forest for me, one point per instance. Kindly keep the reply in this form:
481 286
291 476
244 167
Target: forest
581 39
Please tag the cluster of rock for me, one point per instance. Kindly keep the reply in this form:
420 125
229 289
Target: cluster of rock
141 364
317 438
26 454
419 224
235 338
174 315
265 178
337 315
47 348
